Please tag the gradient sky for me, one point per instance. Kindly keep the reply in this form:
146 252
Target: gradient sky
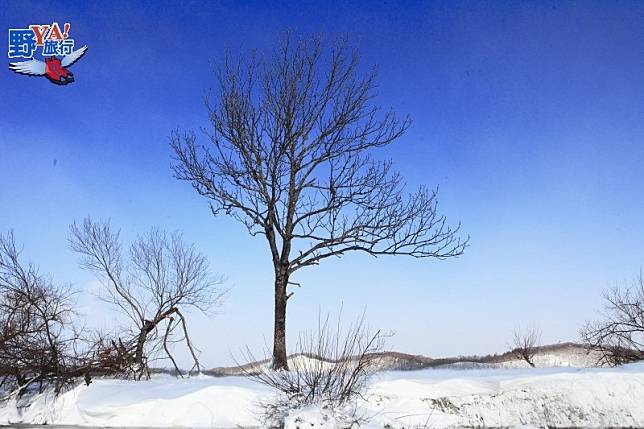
530 116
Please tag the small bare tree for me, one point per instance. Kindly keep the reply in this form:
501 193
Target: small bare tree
526 343
38 343
289 157
619 335
160 277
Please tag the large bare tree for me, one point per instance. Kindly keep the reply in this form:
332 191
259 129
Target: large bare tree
151 285
288 156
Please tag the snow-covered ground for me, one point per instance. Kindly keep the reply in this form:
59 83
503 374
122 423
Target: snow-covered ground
437 398
554 397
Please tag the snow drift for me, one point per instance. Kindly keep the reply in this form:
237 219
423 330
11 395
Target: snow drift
439 398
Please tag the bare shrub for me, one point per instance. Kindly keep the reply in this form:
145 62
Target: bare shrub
619 335
158 278
329 365
526 344
39 344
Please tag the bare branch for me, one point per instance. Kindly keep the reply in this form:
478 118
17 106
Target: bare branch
619 335
289 136
38 342
160 275
526 344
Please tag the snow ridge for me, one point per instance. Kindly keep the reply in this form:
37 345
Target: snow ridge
437 398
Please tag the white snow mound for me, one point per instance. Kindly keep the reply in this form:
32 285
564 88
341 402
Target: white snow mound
437 398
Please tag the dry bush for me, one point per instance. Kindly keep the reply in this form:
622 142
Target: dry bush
619 335
39 344
330 365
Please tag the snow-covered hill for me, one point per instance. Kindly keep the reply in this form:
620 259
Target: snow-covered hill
438 398
556 355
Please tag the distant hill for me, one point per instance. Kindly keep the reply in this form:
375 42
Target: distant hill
554 355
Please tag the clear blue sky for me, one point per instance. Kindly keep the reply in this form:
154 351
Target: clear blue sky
530 116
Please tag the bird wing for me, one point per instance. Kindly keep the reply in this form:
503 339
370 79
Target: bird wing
31 67
70 59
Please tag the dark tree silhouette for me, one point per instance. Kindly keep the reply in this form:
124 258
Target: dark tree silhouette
288 157
618 335
162 276
38 342
526 344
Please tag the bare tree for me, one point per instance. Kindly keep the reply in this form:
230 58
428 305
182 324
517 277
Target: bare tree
289 157
619 335
526 344
161 277
38 343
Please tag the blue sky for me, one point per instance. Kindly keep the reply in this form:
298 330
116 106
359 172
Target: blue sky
528 114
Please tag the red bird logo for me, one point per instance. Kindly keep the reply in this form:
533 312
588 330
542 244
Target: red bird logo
52 68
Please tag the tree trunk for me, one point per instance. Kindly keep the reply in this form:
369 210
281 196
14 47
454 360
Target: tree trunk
279 332
148 326
138 354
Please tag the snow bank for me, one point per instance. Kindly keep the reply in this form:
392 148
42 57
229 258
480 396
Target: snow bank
161 402
438 398
511 397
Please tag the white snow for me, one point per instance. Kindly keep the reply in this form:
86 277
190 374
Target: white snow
553 397
161 402
438 398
